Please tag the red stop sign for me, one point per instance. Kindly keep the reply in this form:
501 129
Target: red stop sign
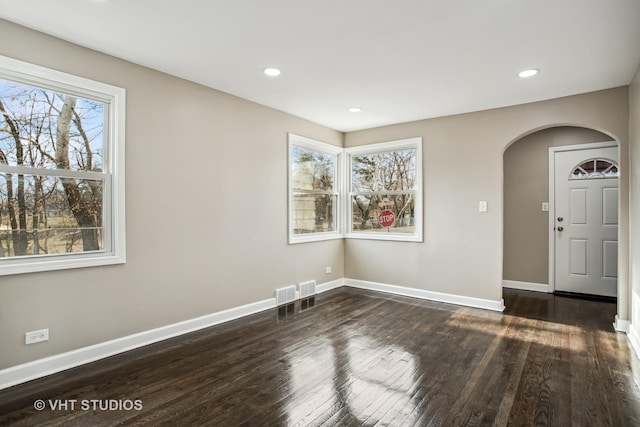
386 218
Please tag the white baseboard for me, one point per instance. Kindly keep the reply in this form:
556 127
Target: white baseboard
60 362
526 286
428 295
634 339
621 325
50 365
324 287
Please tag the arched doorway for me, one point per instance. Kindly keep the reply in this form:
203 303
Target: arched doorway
526 262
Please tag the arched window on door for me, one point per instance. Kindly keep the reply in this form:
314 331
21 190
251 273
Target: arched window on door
595 169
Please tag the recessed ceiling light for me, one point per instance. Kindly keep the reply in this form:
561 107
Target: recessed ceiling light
355 109
272 72
528 73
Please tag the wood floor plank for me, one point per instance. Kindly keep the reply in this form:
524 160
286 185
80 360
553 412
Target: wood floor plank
457 354
364 358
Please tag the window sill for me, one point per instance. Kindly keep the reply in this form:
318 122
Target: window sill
314 237
392 237
396 237
58 262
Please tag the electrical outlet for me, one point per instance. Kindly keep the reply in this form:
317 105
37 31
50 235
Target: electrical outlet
327 270
36 336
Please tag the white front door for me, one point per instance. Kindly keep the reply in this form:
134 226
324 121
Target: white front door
586 221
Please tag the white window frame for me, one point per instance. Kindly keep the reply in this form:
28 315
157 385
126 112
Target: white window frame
322 147
113 175
410 143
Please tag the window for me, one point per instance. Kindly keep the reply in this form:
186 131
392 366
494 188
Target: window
595 169
61 170
385 191
313 190
379 196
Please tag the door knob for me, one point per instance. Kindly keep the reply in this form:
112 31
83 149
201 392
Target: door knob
560 219
560 228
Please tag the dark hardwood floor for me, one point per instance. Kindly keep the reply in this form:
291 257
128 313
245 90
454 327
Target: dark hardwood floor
355 357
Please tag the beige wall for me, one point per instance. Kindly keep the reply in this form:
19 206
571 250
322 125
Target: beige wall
526 186
189 143
634 139
463 164
188 149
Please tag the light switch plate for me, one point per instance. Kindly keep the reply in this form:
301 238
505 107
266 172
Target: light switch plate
545 206
483 206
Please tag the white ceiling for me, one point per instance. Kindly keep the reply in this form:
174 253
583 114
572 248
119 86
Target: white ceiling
399 60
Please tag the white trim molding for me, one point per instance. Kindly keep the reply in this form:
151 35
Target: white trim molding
494 305
621 325
526 286
634 338
328 286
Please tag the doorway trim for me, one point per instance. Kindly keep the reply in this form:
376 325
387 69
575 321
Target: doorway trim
552 198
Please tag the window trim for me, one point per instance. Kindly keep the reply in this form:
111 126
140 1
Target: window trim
323 147
409 143
114 99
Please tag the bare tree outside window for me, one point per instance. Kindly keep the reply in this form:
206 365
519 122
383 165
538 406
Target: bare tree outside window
380 181
48 141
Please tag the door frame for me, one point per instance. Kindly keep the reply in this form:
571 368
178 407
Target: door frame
552 198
